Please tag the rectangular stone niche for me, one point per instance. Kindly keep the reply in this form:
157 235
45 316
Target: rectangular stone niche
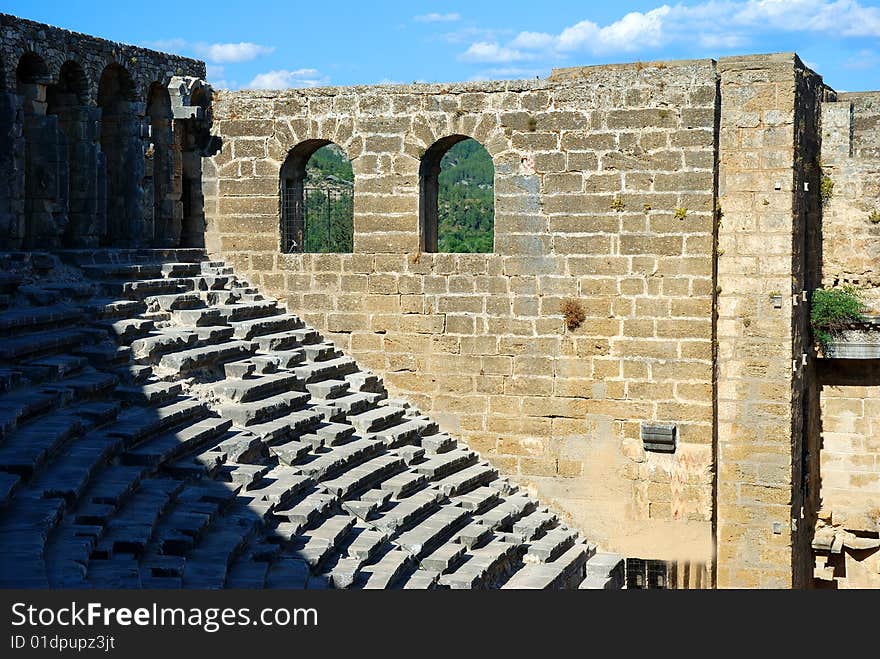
659 437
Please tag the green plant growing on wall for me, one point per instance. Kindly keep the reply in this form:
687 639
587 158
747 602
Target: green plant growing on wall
874 216
617 204
832 309
826 189
681 213
532 124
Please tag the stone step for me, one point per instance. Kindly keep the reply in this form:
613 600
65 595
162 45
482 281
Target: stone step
33 344
30 319
604 571
466 480
151 348
445 558
113 309
149 393
567 571
24 450
363 476
285 341
124 270
320 542
483 567
249 390
247 310
23 404
280 485
320 352
265 410
446 463
331 369
534 524
550 546
436 529
407 512
287 427
313 505
343 457
207 356
137 424
508 512
139 290
376 419
170 446
204 317
127 330
385 572
248 329
174 302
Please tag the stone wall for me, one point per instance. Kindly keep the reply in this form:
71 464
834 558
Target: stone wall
847 534
851 217
75 138
604 192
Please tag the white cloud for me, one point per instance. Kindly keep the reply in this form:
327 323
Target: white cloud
533 40
216 53
490 51
721 24
284 79
434 17
220 53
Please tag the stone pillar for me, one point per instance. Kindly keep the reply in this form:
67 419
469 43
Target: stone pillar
11 171
760 302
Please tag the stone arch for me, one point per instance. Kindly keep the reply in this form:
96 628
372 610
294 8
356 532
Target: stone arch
319 218
162 204
68 99
122 146
45 181
479 238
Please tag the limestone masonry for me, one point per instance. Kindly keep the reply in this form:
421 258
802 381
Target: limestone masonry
689 209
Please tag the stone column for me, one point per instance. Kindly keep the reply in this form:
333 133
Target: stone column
760 321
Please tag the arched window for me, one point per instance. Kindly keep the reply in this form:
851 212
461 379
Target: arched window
316 187
457 197
162 207
68 100
122 145
41 179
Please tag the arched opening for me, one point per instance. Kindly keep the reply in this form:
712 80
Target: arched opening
68 100
317 211
123 153
162 207
457 197
10 216
190 137
41 166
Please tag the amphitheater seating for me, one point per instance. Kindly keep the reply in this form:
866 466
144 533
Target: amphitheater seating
163 425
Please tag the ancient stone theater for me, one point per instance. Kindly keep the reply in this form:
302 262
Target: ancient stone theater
662 372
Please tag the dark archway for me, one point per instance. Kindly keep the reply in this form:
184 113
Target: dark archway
162 205
190 138
122 145
456 197
68 100
43 181
10 215
316 197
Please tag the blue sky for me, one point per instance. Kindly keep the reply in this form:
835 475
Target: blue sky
294 43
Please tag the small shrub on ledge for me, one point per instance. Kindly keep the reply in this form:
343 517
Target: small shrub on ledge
832 309
573 312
